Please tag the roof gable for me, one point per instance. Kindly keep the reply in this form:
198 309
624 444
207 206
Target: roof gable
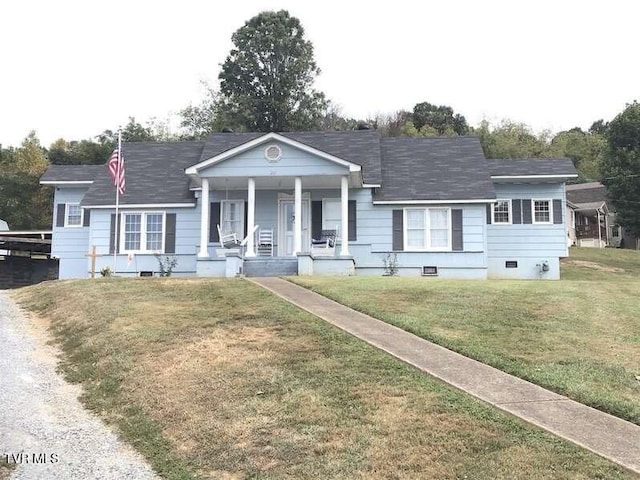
268 138
361 147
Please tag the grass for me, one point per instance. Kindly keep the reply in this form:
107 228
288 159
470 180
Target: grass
6 469
220 379
579 337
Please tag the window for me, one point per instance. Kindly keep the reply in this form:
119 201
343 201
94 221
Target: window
73 217
331 215
427 229
232 217
502 212
143 232
541 211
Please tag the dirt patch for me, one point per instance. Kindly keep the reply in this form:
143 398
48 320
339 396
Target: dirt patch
592 265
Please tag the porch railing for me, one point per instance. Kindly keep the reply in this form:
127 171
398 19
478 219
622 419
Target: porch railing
590 231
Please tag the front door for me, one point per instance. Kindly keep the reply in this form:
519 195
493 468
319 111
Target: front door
286 215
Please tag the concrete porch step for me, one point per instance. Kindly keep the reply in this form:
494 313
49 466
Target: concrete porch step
270 266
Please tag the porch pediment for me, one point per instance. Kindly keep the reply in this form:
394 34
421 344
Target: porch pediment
272 155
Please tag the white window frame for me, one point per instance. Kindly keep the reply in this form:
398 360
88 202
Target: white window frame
510 212
243 227
533 211
143 232
66 215
427 234
335 226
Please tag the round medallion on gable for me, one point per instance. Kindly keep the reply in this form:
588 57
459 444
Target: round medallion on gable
272 153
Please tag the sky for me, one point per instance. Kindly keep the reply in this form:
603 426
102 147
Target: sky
72 69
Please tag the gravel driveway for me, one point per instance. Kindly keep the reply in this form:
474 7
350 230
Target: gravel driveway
43 426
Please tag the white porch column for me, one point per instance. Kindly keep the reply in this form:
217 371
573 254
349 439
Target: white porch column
344 215
251 217
204 219
297 219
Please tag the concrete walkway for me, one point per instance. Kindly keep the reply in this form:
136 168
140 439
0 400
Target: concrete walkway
606 435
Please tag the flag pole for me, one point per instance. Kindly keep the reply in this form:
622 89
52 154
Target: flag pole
116 239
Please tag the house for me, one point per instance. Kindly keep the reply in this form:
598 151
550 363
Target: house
433 206
591 220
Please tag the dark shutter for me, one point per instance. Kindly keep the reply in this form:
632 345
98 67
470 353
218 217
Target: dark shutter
456 230
112 234
489 208
246 218
398 230
352 220
526 211
516 215
316 219
557 211
60 215
87 218
214 220
170 233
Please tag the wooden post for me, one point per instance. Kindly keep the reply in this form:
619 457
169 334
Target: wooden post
93 255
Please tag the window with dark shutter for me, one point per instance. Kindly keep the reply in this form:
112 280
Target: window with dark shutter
170 234
397 230
456 230
352 221
214 221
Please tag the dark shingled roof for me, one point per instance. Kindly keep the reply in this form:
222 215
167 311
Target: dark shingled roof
71 173
531 166
436 168
587 193
361 147
154 174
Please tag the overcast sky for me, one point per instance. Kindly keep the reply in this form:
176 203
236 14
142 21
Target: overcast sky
72 69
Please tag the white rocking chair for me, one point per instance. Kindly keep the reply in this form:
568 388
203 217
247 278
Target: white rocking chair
265 243
228 240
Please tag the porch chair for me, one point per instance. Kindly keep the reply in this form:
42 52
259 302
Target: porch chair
228 240
325 245
265 243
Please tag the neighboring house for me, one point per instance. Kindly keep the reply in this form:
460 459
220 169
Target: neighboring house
590 222
435 204
587 208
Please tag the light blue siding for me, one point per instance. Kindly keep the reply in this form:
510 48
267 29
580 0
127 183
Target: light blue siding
374 233
187 241
529 244
294 162
69 244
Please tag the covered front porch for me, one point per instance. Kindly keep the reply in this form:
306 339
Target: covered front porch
288 212
273 197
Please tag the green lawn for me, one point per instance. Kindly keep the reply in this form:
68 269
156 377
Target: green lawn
220 379
579 336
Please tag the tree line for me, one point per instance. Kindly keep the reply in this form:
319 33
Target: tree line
266 84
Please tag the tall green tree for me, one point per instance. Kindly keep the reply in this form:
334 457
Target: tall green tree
267 79
621 167
24 203
439 118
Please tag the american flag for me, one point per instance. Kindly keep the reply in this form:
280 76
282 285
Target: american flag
116 169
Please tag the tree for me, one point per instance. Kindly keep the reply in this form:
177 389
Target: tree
511 140
24 203
441 118
266 80
621 167
585 149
